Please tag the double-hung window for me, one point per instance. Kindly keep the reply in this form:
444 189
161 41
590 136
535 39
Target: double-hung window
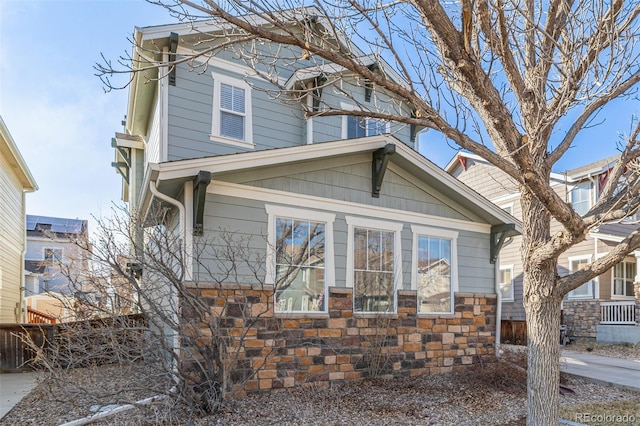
506 282
586 289
581 198
623 276
434 273
373 264
231 121
359 127
300 258
52 255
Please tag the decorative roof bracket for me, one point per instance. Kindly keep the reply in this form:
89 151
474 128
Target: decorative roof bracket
173 47
379 167
122 168
368 84
318 82
200 183
498 235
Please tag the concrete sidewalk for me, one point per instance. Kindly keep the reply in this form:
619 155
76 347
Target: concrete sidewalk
617 372
13 387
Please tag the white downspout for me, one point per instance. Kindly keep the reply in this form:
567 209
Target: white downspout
182 225
498 306
156 193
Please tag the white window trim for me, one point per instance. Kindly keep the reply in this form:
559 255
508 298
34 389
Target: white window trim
274 211
590 193
215 114
418 231
510 298
345 120
507 206
395 227
617 296
571 295
54 249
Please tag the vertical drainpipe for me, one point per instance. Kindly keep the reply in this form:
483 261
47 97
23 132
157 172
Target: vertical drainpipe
310 108
498 306
181 226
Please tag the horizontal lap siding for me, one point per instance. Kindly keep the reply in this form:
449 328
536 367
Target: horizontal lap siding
352 183
475 273
275 125
11 241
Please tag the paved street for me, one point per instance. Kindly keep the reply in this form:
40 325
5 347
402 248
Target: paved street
620 373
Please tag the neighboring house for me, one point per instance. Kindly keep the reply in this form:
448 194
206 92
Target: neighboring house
54 260
15 181
353 222
606 308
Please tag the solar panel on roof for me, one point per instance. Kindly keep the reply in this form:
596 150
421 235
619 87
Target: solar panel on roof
58 224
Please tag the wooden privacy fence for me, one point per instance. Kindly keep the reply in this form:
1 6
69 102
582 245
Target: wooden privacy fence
513 332
16 354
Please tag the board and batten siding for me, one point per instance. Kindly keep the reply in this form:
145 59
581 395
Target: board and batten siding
12 242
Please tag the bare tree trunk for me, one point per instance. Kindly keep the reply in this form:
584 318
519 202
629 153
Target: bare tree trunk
542 307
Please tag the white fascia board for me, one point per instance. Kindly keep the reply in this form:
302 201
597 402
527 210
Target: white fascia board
129 143
204 26
333 205
506 198
27 180
233 162
606 237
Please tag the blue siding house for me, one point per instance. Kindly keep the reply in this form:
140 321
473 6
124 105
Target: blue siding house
352 223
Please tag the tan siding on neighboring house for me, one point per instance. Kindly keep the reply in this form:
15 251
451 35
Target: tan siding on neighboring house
12 242
486 179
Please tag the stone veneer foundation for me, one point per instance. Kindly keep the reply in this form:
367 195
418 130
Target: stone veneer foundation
283 350
581 318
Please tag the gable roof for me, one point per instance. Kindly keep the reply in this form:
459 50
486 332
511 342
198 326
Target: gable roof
570 176
142 89
409 160
10 152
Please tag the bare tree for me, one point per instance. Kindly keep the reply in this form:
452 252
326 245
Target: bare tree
186 341
515 82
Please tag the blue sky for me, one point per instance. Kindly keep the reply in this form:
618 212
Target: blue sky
63 122
55 108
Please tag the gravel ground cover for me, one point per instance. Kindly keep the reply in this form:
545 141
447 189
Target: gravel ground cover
492 394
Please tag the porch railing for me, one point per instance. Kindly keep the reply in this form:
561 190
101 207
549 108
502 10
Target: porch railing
620 313
37 317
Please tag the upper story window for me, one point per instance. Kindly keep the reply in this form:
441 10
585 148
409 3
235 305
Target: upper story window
359 127
52 255
586 289
506 282
373 264
624 274
434 272
300 258
581 197
231 121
